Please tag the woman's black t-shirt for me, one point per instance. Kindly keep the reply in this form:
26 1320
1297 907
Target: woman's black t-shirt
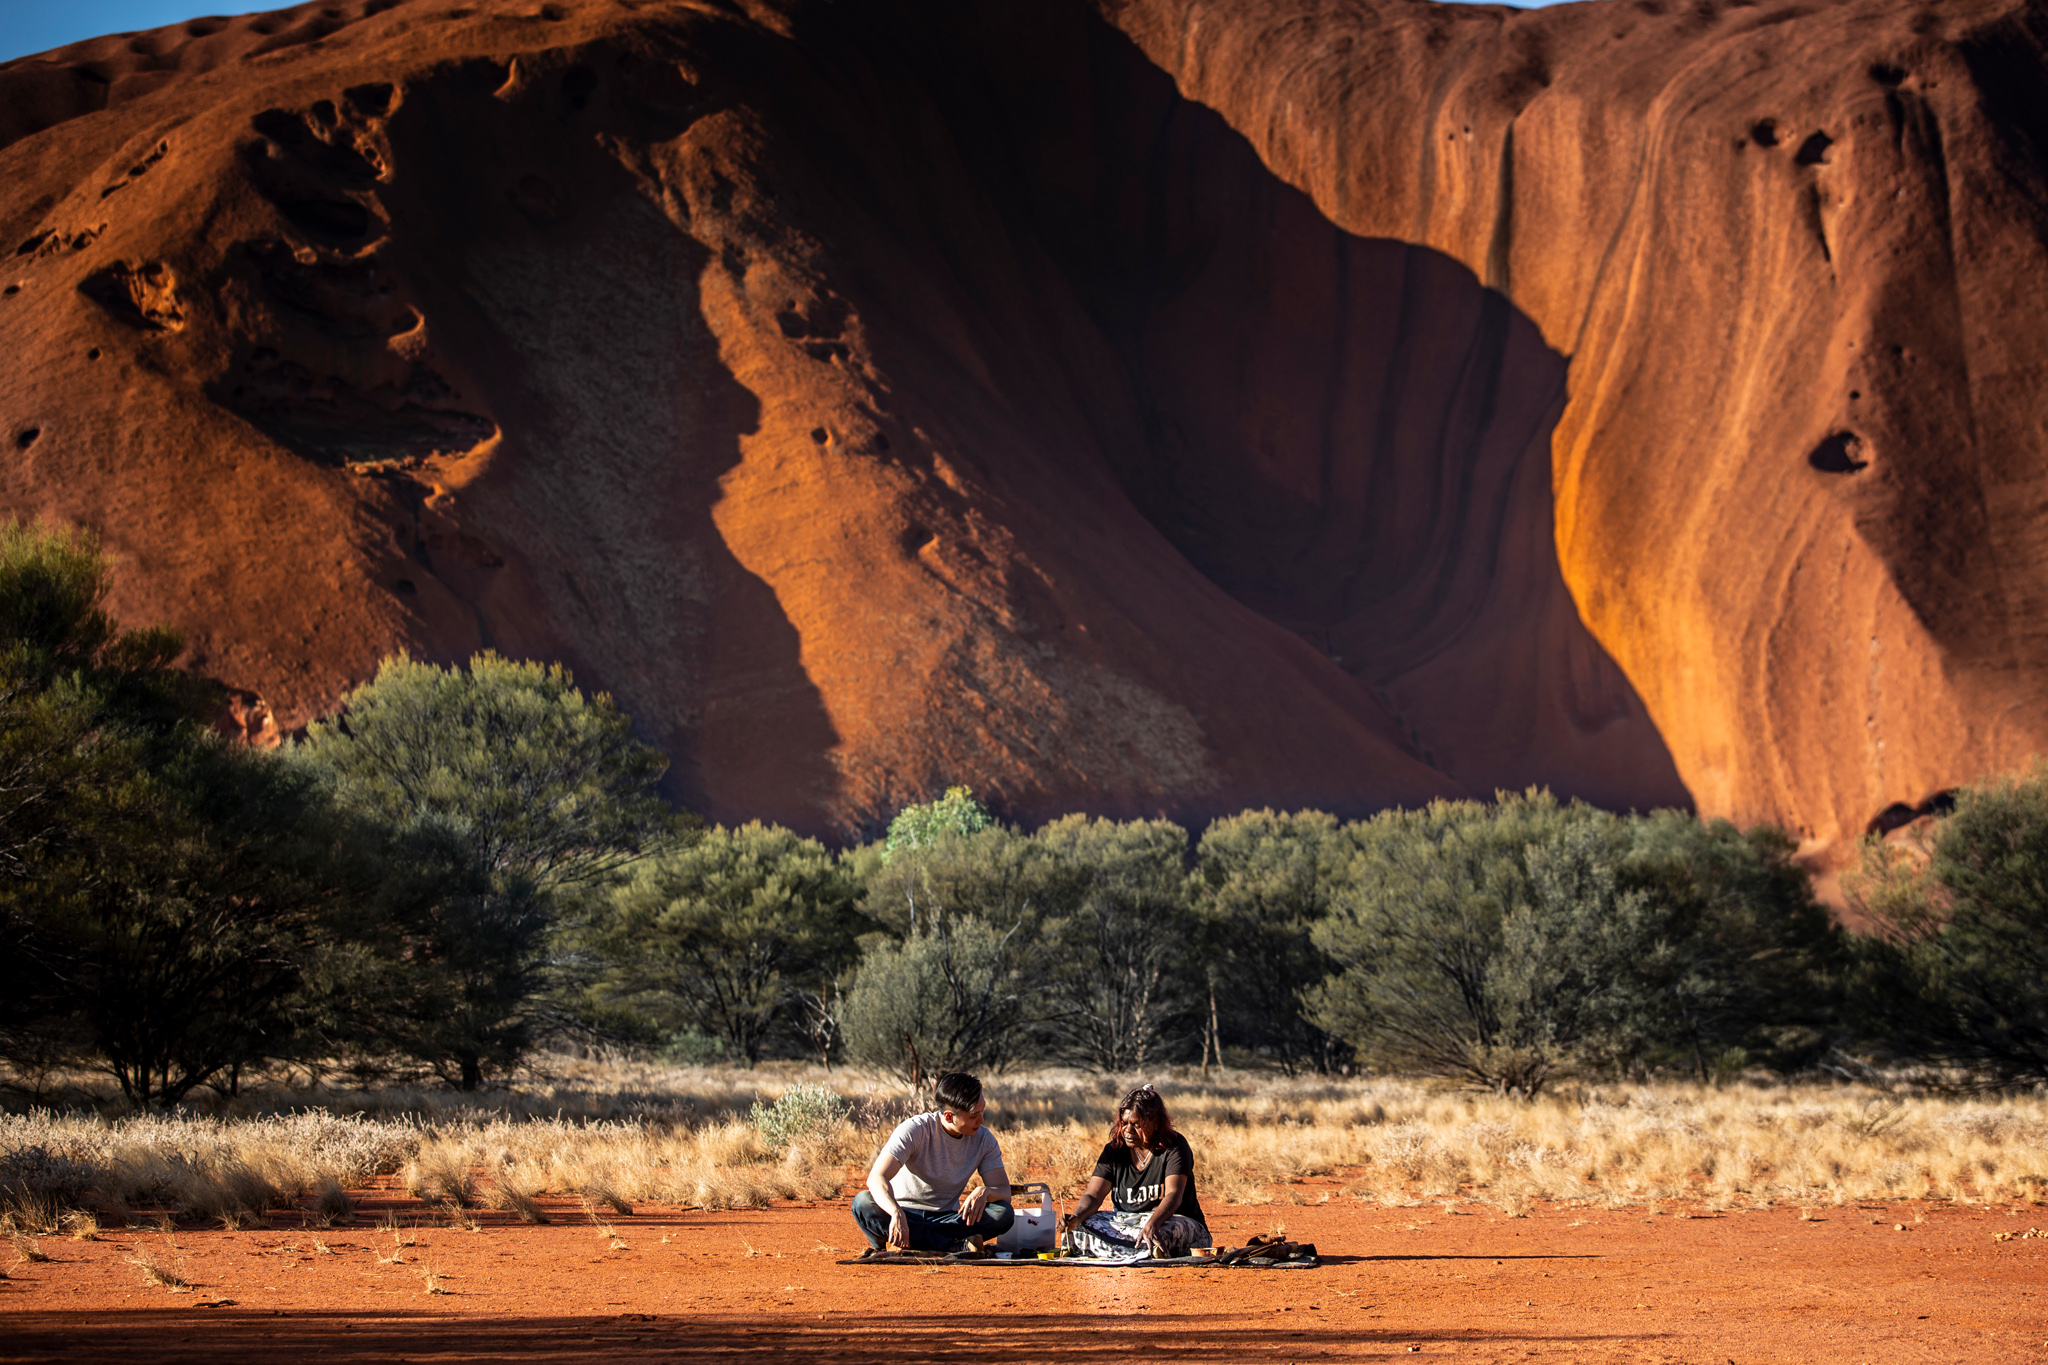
1135 1188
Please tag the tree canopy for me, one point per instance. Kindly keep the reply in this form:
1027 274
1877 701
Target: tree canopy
514 799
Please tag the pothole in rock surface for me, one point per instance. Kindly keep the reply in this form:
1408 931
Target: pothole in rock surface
144 296
1842 452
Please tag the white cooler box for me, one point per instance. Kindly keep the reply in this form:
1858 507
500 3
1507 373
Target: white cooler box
1036 1229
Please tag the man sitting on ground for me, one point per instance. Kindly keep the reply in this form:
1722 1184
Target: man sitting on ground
916 1198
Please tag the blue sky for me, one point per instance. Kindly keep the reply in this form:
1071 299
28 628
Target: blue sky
38 25
28 26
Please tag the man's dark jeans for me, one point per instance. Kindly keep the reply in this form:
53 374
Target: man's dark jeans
929 1231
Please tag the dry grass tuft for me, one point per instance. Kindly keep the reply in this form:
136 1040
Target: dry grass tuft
506 1195
156 1272
30 1211
1511 1205
401 1238
601 1192
441 1174
330 1204
82 1225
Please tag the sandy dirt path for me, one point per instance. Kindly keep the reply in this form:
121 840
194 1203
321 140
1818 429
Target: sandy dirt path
1561 1284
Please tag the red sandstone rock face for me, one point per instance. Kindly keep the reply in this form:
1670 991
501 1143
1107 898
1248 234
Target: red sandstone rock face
1796 258
879 396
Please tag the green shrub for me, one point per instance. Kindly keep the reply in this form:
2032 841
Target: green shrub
1957 972
804 1112
1125 987
956 813
1416 928
731 934
951 999
691 1046
1746 967
1262 886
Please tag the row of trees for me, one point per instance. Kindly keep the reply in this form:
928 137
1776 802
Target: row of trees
1496 942
470 860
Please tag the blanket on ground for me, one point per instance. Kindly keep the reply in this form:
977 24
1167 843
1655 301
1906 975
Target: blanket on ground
1260 1253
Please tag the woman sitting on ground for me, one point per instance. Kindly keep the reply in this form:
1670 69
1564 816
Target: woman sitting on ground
1149 1171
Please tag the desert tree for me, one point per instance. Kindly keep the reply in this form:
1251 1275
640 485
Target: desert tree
521 799
1750 967
734 933
83 703
160 889
993 872
957 974
958 997
956 812
185 951
1263 882
1127 978
1576 979
916 835
1414 936
1505 943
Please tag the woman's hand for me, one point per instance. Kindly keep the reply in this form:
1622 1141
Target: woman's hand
1090 1200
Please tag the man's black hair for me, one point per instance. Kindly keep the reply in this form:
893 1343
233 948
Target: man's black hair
957 1091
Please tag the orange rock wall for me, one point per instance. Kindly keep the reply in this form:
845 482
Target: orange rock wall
1795 256
880 396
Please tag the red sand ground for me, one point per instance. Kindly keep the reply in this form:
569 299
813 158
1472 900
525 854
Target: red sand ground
1576 1284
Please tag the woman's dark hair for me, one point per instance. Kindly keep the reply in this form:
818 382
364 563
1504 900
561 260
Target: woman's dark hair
957 1091
1143 1104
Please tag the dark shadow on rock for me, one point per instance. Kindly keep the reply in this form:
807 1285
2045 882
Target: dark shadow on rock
1349 435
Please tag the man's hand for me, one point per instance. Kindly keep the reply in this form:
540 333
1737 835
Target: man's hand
899 1231
972 1203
